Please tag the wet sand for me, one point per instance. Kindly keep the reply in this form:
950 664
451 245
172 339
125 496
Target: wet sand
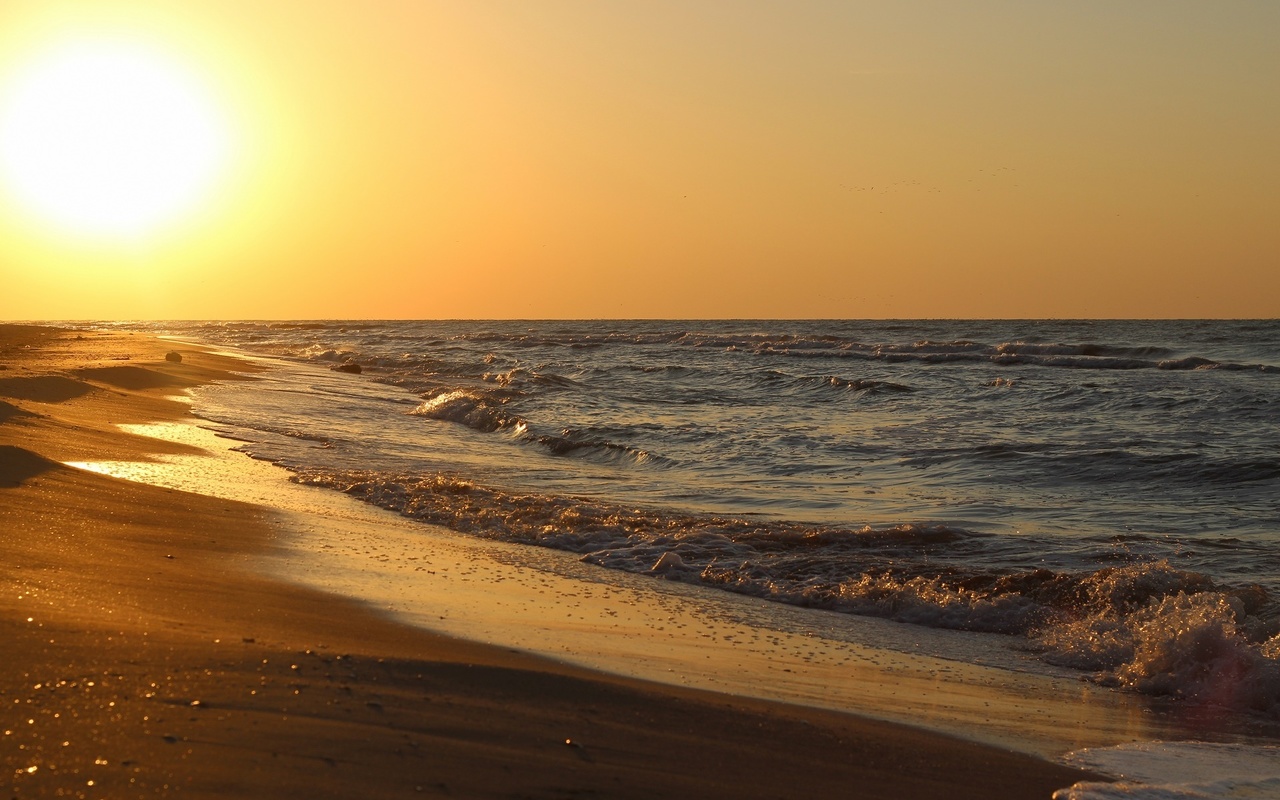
146 652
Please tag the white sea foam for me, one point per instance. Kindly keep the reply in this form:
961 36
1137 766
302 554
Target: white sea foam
479 410
1177 771
1163 631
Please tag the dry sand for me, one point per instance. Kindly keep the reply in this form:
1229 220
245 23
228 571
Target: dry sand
144 655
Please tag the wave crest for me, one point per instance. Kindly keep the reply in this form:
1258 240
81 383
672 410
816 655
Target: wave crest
1185 645
482 412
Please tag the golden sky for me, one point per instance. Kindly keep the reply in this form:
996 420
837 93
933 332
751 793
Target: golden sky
691 159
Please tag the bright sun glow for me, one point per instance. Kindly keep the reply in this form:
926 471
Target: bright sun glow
109 139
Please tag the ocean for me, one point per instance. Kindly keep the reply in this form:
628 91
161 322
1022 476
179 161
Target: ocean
1105 492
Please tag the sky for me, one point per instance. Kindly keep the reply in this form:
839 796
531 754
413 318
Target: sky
688 159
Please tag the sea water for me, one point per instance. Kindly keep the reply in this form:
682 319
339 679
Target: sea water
1178 771
1106 493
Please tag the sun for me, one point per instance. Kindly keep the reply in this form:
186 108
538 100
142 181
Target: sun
110 138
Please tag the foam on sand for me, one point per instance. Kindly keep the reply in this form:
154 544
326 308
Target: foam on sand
1177 771
551 603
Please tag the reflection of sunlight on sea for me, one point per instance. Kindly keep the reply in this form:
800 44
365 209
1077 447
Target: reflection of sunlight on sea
550 603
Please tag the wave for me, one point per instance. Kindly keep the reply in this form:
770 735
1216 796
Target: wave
486 412
455 354
328 354
852 339
1125 462
1187 644
481 411
864 386
569 444
1100 355
604 530
1092 350
1147 626
523 377
1081 355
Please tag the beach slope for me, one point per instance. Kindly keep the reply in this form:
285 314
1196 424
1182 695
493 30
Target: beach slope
144 655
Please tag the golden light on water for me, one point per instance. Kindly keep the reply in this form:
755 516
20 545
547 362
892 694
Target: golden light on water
109 138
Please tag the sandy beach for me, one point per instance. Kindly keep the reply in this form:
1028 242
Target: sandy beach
605 400
146 654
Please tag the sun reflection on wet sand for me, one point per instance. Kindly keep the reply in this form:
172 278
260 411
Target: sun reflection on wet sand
548 602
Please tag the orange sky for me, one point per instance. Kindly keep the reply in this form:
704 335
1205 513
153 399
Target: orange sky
695 159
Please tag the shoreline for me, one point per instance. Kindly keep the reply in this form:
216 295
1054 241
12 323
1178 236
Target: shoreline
549 603
165 662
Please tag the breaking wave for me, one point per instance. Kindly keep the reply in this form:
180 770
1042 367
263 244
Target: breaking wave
486 412
1147 626
482 411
